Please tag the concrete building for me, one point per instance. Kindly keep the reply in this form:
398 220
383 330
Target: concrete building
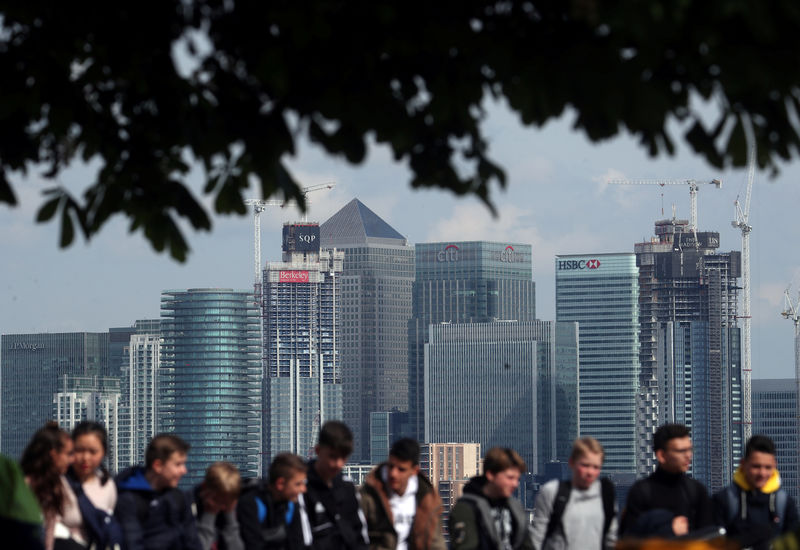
601 293
464 282
501 384
209 377
449 466
31 366
690 347
97 398
301 319
775 415
375 296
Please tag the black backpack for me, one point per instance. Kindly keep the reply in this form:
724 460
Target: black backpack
103 529
560 504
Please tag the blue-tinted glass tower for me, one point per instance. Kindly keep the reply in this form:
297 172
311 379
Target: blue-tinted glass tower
601 293
209 377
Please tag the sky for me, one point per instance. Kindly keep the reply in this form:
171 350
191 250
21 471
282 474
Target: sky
556 199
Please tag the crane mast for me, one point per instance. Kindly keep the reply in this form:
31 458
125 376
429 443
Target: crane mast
742 222
790 311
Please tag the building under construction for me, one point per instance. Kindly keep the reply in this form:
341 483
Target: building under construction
690 350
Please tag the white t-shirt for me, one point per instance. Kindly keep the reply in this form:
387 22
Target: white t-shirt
404 507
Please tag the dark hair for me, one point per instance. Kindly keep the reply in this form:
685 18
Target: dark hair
37 464
500 459
759 444
405 449
284 466
337 436
666 432
161 448
90 427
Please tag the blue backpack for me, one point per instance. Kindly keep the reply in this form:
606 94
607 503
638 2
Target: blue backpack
103 529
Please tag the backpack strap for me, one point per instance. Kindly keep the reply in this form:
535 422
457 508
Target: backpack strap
559 505
777 507
609 505
485 514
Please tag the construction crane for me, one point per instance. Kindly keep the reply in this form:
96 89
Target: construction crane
790 311
741 222
693 184
258 207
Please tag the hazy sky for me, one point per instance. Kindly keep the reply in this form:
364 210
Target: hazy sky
555 200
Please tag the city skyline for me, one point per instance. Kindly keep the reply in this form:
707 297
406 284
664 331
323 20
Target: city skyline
555 200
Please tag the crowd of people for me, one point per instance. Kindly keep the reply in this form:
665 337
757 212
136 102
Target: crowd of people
61 497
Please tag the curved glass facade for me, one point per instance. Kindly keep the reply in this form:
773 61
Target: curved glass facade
210 377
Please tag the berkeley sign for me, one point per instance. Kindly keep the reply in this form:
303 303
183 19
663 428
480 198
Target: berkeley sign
564 265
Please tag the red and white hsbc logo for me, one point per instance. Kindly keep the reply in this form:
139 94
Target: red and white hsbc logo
564 265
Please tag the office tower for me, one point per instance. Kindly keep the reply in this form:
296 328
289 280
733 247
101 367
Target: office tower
32 365
600 292
497 384
464 282
301 320
775 415
690 347
139 383
209 384
376 305
118 340
97 398
386 427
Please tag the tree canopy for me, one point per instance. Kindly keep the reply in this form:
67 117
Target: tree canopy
107 82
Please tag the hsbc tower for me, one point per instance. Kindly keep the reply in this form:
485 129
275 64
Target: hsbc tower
601 293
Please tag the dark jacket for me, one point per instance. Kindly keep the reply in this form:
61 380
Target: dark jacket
268 524
760 520
337 522
153 520
653 502
426 529
472 526
222 528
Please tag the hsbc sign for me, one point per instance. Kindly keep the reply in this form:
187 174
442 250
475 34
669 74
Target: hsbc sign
564 265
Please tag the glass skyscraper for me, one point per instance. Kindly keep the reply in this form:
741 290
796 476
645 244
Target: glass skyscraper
775 415
210 377
376 305
601 293
464 282
501 384
32 366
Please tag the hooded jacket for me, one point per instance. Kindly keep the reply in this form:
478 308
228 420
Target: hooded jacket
426 529
153 520
754 517
334 513
471 523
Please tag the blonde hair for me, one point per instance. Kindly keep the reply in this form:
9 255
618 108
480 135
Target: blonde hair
584 445
223 479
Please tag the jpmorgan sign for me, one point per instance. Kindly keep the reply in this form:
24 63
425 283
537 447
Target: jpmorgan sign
565 265
24 346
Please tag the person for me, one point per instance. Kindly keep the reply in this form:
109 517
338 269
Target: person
214 507
402 509
580 513
44 462
332 501
755 509
153 512
487 516
668 503
20 515
92 485
271 514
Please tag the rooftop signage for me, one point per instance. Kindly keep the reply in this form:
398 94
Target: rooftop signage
509 255
565 265
293 277
449 254
25 345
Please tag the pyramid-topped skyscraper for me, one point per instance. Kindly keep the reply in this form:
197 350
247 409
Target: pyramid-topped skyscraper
375 307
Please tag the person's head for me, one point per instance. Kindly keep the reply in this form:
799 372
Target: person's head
759 462
45 459
165 460
287 477
585 461
502 468
673 447
222 484
333 448
402 465
90 442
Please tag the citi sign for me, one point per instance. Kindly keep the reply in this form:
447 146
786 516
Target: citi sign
564 265
508 255
449 254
